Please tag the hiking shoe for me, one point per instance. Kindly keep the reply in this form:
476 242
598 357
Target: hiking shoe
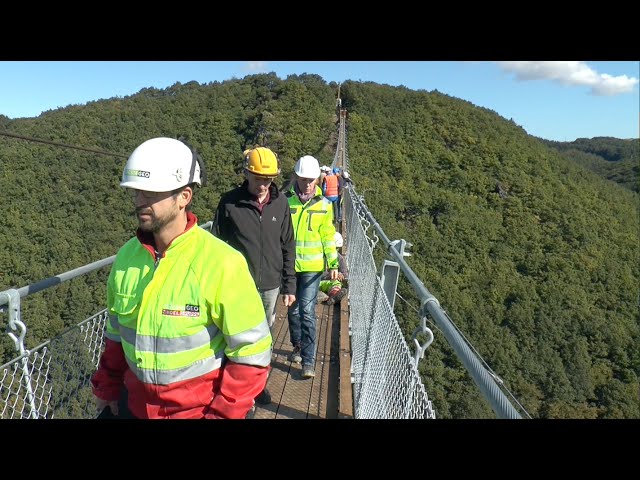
264 398
339 296
322 297
295 355
308 371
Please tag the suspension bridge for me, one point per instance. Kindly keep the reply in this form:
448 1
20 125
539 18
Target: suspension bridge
365 368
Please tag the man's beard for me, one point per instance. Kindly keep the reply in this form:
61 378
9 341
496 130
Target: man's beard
155 223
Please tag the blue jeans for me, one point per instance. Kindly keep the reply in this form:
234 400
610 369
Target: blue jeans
337 213
302 315
337 209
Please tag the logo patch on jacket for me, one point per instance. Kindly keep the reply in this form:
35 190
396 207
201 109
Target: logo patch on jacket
187 311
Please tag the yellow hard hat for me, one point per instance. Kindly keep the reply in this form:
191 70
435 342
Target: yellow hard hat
261 161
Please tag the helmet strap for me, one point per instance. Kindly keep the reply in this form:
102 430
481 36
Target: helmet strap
195 160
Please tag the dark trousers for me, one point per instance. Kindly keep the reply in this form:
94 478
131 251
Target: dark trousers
123 409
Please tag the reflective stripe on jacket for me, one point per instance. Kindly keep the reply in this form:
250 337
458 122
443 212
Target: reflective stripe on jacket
314 231
177 321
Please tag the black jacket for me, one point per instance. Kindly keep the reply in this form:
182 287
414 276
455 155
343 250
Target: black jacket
266 240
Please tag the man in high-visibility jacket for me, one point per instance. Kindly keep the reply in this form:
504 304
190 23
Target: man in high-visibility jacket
312 217
187 334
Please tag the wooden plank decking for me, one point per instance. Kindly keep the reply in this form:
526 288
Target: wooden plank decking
328 394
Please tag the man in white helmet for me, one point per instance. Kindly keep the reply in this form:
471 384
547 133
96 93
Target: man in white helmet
312 216
347 179
186 334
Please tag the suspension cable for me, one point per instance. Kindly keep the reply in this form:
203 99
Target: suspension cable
57 144
499 381
417 311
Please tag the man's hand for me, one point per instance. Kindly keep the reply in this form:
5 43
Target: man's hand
334 274
102 404
288 299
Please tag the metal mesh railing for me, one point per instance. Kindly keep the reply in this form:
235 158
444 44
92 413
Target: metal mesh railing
53 379
384 387
386 382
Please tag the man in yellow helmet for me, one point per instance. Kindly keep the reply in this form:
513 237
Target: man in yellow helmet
186 333
255 219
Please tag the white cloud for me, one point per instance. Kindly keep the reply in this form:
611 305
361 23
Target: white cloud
256 67
571 73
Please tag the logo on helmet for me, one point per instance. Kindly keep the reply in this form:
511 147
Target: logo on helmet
178 175
136 173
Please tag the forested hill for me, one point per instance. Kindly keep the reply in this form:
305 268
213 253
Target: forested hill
63 208
534 257
612 158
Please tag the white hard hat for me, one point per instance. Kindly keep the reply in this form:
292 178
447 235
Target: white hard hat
161 165
307 167
337 238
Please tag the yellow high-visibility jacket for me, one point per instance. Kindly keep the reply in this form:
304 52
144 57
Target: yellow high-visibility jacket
180 321
314 231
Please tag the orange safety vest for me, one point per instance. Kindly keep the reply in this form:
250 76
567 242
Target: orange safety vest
331 186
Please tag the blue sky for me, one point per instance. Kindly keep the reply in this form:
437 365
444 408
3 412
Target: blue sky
553 100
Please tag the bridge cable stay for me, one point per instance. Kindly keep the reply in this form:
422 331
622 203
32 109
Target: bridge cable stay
58 144
430 305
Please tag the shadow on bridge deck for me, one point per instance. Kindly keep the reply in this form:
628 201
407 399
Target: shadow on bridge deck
328 394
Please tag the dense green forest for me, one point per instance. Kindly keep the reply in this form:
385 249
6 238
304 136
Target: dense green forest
534 256
612 158
64 208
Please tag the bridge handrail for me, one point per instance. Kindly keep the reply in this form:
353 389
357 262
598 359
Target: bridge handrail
428 303
63 277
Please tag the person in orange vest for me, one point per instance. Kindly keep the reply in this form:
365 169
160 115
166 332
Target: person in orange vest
324 170
330 189
186 333
338 203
